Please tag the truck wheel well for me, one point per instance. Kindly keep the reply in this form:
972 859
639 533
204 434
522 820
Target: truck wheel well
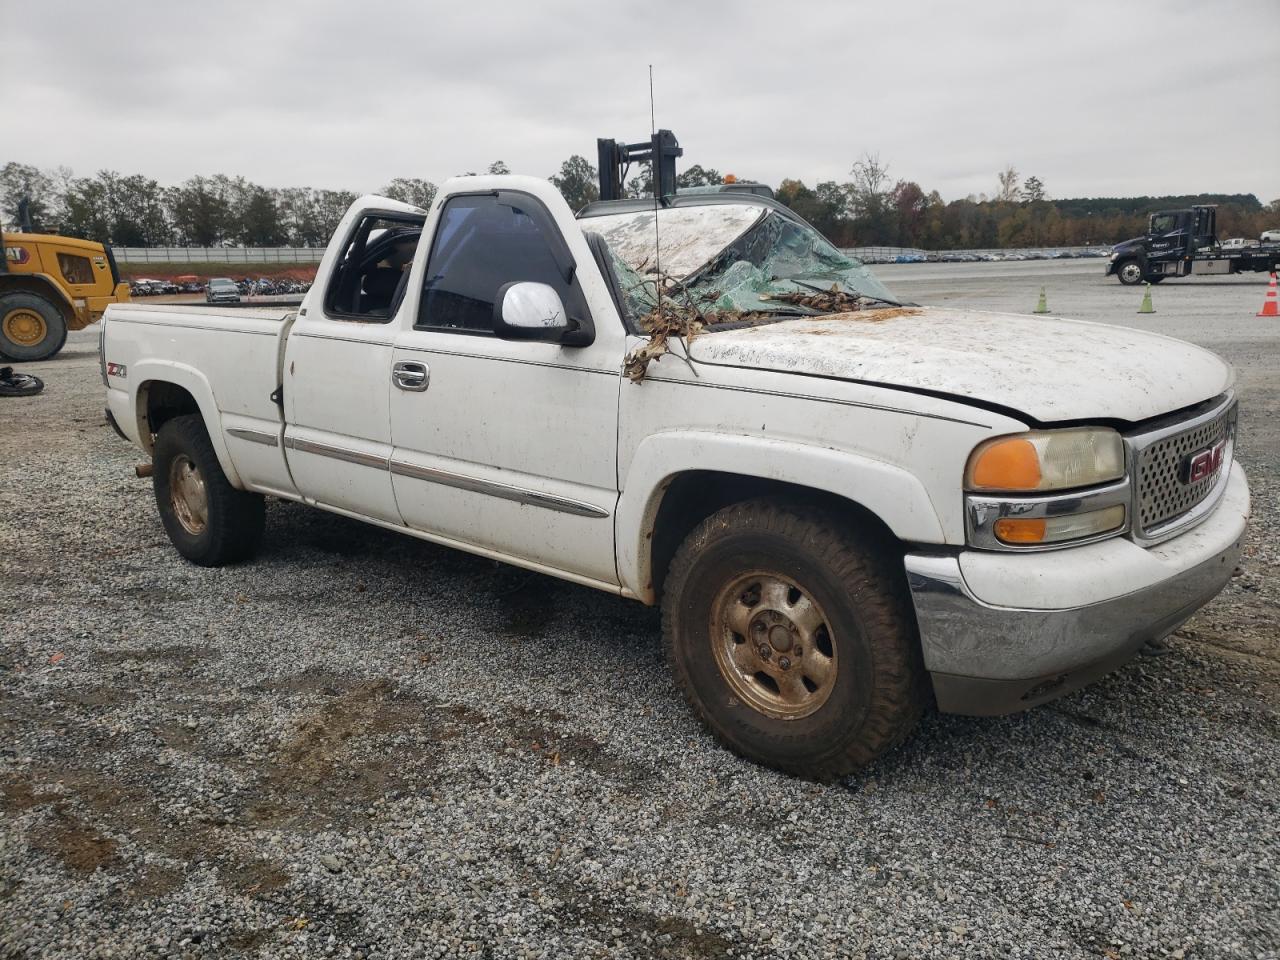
693 496
41 288
160 401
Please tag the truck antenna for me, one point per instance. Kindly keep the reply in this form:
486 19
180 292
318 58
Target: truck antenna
654 179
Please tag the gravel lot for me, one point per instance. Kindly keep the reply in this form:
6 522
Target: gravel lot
363 745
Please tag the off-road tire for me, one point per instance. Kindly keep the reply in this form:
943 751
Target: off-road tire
1130 278
55 326
235 519
879 690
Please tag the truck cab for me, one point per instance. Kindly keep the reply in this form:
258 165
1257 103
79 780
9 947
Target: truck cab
1179 243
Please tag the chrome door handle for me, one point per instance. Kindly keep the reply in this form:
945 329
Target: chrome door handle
411 375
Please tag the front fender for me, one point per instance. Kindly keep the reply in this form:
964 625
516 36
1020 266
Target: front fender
894 495
145 372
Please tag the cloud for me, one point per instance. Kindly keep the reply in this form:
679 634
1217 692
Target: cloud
1095 98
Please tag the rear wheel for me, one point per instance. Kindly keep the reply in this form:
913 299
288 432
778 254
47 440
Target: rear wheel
31 327
1129 272
207 519
790 636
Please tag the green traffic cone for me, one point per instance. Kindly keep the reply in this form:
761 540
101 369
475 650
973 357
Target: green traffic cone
1147 306
1043 305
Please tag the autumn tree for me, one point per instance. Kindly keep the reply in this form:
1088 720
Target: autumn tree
1009 190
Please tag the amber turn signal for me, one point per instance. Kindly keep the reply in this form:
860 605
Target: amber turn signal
1009 464
1017 530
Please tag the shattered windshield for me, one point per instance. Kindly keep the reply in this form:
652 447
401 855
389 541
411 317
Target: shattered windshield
733 262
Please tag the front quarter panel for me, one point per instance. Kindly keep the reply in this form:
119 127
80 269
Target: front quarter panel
899 455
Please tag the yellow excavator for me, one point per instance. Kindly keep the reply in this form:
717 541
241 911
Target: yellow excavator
50 285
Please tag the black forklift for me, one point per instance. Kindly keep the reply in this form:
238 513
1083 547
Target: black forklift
1179 243
614 159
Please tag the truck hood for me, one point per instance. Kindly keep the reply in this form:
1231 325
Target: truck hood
1047 369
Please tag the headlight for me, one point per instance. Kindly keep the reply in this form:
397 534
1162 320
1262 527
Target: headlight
1047 488
1113 255
1046 460
1033 531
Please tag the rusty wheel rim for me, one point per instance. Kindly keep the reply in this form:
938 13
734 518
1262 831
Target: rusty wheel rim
773 645
188 496
25 327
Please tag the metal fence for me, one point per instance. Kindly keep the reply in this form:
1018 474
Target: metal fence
218 254
915 254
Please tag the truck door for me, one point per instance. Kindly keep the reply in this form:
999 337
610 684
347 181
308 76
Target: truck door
338 427
1168 238
508 446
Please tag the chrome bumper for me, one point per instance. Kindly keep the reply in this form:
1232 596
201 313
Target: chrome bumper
986 659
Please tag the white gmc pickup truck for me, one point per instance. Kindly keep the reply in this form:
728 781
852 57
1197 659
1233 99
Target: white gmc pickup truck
846 506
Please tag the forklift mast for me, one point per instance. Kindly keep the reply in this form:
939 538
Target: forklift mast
615 158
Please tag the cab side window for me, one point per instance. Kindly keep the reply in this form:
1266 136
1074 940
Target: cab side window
75 269
483 242
370 278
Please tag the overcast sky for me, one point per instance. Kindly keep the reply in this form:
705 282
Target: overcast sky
1095 98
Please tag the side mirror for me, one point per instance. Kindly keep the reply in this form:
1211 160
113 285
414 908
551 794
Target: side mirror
530 311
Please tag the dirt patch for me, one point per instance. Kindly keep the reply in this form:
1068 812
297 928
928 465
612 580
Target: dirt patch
561 746
18 795
177 655
863 316
75 843
672 937
331 769
258 876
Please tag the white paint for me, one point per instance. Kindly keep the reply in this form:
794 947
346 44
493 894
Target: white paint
1048 368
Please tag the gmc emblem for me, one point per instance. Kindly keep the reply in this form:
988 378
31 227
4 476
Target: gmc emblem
1198 466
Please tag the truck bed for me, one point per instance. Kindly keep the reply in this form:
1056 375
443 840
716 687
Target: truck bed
226 358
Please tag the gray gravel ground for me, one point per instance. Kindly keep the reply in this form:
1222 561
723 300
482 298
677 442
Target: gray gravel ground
363 745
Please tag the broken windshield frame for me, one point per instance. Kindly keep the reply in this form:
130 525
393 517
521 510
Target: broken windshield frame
755 262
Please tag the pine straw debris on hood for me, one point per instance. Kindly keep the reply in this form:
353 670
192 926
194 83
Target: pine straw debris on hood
681 313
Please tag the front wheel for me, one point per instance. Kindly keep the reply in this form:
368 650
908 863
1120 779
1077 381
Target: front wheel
791 638
1129 272
209 521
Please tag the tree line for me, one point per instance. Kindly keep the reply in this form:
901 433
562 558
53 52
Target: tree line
870 208
873 209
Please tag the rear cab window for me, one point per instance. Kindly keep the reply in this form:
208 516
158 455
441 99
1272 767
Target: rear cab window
371 276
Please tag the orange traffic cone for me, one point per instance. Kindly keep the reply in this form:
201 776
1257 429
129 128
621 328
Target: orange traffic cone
1269 305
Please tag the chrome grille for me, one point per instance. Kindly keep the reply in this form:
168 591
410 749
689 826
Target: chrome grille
1162 496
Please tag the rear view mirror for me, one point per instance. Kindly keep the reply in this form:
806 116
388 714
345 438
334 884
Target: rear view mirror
530 311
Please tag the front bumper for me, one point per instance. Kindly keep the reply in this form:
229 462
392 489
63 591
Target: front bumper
988 658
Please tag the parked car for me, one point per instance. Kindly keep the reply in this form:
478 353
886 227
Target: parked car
1270 236
845 511
221 290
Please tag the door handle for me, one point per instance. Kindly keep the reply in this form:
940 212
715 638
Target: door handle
411 375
